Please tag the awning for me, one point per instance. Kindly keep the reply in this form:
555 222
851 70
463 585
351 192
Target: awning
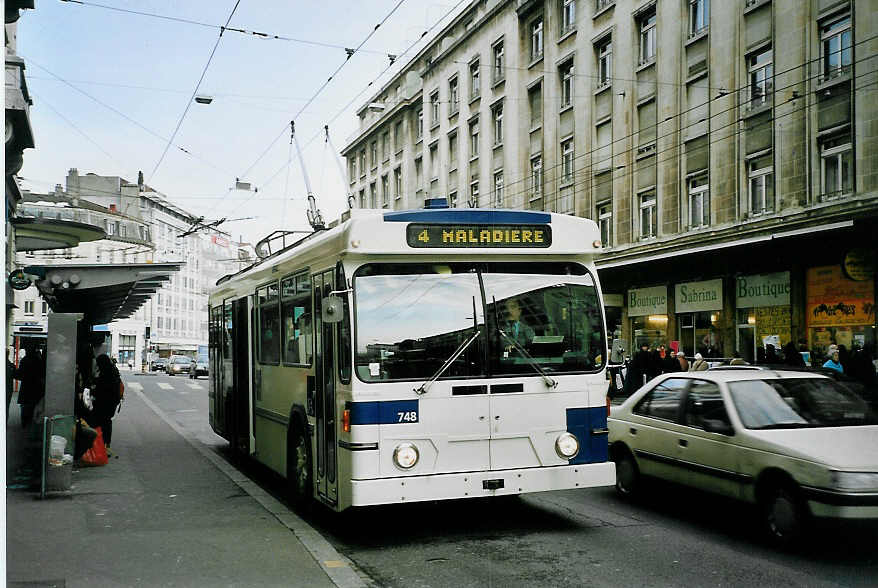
102 292
38 234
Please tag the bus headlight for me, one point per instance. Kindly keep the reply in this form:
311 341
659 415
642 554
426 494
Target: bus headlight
405 456
566 446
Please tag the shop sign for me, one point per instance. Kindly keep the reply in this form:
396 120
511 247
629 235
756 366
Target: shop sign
859 264
833 299
614 300
763 290
699 296
644 301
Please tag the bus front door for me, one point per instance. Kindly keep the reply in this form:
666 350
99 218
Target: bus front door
326 463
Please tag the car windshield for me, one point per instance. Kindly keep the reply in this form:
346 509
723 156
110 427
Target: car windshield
182 360
412 317
798 403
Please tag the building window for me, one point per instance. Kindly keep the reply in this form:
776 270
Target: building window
397 183
565 73
474 194
362 198
498 188
419 173
648 216
497 115
835 37
28 307
373 196
352 168
605 221
419 125
836 165
452 199
397 136
605 62
385 190
475 83
647 36
499 64
385 146
759 68
536 177
434 108
535 100
568 16
373 154
269 337
474 139
699 201
453 96
536 39
362 163
452 150
699 16
760 182
567 161
434 162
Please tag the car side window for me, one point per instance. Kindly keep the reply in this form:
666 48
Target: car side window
704 402
663 401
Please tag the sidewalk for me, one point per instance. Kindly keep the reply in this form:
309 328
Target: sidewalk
160 513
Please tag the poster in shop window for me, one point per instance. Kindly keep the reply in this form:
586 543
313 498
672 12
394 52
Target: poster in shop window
834 299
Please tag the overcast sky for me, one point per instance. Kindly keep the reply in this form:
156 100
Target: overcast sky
146 69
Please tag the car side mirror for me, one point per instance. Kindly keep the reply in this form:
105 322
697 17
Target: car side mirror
718 426
332 310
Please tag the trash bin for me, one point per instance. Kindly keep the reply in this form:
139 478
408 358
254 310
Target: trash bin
58 438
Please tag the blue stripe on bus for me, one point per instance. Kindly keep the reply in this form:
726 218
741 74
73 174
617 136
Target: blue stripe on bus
581 422
384 413
469 216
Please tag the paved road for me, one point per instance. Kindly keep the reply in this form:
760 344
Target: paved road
676 537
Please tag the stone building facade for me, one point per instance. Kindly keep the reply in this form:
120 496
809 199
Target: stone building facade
715 143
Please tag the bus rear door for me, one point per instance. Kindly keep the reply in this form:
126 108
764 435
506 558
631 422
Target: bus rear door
326 462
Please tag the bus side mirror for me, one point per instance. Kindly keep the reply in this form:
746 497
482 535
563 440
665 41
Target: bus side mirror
333 309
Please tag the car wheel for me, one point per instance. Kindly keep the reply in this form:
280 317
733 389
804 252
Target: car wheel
784 514
627 473
299 485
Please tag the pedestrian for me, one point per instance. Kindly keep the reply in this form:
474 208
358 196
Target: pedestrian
106 397
844 358
791 356
771 356
833 363
669 361
737 359
31 373
655 362
699 365
684 363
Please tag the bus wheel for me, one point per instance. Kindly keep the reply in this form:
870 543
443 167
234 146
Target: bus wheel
299 485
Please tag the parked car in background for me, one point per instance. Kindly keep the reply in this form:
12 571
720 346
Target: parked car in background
159 365
198 367
797 444
178 364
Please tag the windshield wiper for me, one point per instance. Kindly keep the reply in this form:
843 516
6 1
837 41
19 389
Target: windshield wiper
423 388
550 382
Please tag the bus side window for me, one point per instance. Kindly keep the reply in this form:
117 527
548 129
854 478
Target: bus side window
296 320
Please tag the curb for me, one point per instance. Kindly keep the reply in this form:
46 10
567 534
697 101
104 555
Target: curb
337 567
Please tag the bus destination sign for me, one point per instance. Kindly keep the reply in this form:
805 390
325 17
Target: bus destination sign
449 236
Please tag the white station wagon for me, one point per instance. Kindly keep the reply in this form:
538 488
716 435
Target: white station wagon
797 444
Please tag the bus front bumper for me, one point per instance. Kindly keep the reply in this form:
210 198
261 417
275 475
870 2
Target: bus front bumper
476 484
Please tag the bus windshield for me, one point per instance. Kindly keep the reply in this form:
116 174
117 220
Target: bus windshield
411 318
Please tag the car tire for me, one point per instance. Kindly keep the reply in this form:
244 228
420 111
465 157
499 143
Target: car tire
785 515
299 484
628 480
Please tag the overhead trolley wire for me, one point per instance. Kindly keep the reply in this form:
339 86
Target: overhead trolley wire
195 91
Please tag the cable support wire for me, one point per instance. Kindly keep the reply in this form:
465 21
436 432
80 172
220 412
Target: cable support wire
258 34
44 102
123 115
696 107
195 91
591 173
350 53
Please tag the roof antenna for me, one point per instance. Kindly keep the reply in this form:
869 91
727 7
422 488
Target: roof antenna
315 219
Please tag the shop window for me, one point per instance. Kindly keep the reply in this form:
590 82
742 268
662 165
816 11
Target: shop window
269 325
296 318
651 330
699 333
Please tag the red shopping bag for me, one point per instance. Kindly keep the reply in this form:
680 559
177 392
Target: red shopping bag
97 454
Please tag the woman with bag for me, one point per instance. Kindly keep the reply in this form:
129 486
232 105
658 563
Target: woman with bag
106 397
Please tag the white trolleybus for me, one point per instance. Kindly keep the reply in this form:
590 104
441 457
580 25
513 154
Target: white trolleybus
418 355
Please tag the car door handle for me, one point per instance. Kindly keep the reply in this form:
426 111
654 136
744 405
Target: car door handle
683 443
632 430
